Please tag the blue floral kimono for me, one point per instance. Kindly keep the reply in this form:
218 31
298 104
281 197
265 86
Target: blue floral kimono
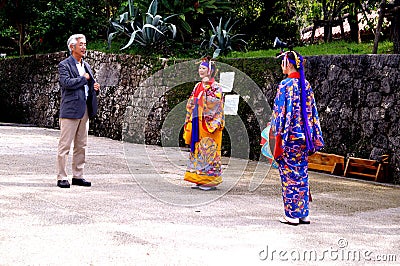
288 125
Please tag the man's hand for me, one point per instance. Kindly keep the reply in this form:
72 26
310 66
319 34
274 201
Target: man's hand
96 86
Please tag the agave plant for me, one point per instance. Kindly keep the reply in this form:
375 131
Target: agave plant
127 22
221 39
190 12
153 31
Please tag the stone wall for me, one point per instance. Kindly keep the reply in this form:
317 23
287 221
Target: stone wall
357 97
29 89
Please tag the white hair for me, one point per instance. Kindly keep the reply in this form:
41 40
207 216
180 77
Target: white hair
74 40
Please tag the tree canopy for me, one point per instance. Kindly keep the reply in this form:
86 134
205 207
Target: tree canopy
40 26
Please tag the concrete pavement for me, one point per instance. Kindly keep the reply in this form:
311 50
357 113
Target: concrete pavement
139 211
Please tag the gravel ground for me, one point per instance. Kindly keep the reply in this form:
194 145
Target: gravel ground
139 211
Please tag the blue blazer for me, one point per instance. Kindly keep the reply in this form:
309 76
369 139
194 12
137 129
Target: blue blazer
73 102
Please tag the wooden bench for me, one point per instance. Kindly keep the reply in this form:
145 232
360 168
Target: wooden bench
375 170
326 162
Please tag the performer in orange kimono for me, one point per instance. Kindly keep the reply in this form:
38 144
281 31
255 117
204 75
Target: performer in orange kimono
203 127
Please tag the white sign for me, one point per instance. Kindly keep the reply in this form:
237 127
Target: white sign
231 104
226 80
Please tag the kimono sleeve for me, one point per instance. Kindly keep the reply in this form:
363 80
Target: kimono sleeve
282 109
187 128
282 113
213 111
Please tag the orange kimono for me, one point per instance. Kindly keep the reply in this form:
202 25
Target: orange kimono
203 127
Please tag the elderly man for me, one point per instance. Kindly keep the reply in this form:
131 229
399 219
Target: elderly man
78 103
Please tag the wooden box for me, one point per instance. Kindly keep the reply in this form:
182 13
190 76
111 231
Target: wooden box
326 162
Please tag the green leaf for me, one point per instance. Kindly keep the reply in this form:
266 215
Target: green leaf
186 26
212 26
173 30
131 8
131 40
211 41
149 26
123 17
111 36
153 7
117 26
149 18
216 53
156 20
233 24
171 16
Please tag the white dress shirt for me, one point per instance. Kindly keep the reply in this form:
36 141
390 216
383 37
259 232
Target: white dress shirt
82 71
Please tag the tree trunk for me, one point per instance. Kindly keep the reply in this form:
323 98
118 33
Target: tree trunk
107 7
396 30
328 31
21 30
354 29
313 31
269 6
379 27
341 22
326 18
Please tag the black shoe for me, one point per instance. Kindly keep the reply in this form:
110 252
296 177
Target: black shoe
63 183
305 220
81 182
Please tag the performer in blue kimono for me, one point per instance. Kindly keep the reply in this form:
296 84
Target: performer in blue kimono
295 125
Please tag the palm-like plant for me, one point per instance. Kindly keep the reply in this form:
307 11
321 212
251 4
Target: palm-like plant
221 39
127 22
190 12
153 31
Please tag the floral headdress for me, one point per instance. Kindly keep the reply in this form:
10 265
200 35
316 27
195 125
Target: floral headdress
298 62
208 63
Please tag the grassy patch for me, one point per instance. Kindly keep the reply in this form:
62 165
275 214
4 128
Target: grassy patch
335 47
